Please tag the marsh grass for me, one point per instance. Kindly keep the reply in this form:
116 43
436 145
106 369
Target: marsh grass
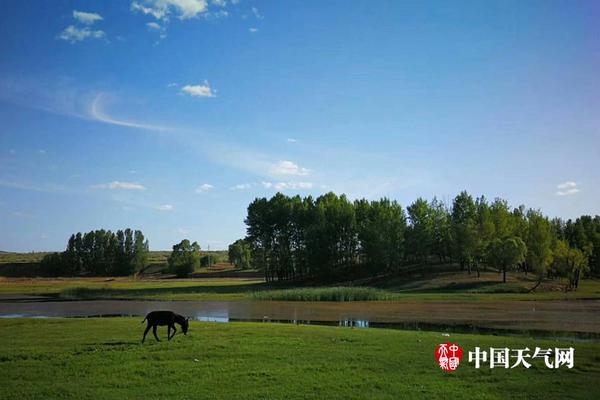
338 293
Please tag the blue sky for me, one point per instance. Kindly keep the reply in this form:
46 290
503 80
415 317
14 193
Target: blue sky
170 116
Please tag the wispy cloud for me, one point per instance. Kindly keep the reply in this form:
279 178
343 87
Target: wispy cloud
253 30
86 17
241 186
285 167
117 185
205 187
203 90
165 207
288 185
48 188
97 113
256 13
291 140
567 188
74 34
153 25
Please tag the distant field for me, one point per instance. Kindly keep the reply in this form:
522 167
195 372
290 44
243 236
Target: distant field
456 286
95 358
27 264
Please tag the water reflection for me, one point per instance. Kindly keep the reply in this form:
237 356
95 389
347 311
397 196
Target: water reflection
580 318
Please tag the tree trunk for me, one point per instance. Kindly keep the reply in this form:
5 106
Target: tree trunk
541 277
504 275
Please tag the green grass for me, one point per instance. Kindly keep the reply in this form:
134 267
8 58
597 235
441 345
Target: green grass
103 359
338 293
441 287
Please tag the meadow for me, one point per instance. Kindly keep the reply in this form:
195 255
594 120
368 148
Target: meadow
103 358
444 286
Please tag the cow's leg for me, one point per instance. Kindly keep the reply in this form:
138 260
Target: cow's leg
174 331
146 332
168 332
155 335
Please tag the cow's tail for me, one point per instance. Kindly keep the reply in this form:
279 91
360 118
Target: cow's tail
144 319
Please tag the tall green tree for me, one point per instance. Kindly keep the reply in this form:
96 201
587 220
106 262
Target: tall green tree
240 254
464 229
184 258
506 253
539 242
419 235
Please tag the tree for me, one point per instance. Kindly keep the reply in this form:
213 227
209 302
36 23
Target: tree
506 253
539 242
419 235
184 258
381 226
569 263
464 229
53 264
485 230
103 252
440 235
240 254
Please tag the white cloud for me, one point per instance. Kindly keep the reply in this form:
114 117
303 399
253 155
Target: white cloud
162 9
41 151
567 188
253 30
199 90
165 207
291 140
219 3
116 185
86 18
256 13
73 34
154 25
566 185
241 186
172 84
97 113
205 187
285 167
288 185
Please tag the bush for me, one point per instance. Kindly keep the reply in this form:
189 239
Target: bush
184 258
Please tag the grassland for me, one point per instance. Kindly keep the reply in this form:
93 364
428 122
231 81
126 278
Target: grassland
103 358
446 287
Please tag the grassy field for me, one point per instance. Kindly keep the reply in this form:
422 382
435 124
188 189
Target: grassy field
103 358
447 286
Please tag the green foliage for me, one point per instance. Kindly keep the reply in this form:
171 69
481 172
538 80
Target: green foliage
295 237
539 242
100 253
420 231
208 260
464 228
184 258
569 262
240 254
506 253
52 264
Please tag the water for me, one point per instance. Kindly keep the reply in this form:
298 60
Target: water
577 319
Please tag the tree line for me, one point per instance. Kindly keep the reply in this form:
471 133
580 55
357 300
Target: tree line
331 237
100 253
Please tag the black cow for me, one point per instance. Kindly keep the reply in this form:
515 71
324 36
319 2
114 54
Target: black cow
162 318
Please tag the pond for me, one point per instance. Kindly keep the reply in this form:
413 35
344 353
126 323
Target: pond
544 318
